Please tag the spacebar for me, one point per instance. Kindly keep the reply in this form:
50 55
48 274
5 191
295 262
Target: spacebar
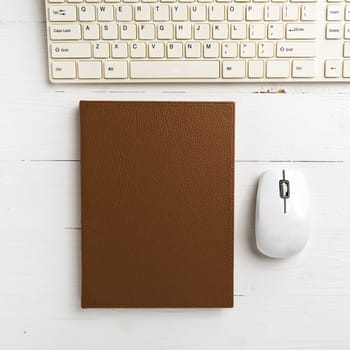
174 69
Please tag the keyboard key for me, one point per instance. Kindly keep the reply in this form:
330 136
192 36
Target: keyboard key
156 50
146 31
193 50
333 68
239 31
183 31
296 49
347 13
279 0
90 70
70 50
346 50
109 31
301 31
174 50
303 0
277 69
137 50
308 12
347 31
235 12
303 69
116 69
197 12
179 12
233 69
201 31
257 31
229 50
91 31
211 49
161 13
165 31
216 12
265 49
248 49
128 31
346 69
275 31
254 12
63 70
124 13
65 32
119 50
174 69
335 12
290 12
220 31
87 13
334 31
105 13
256 69
62 13
272 12
101 50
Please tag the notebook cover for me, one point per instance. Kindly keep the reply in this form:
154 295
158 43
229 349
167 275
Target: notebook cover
157 204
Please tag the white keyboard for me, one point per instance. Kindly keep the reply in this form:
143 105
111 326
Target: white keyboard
127 41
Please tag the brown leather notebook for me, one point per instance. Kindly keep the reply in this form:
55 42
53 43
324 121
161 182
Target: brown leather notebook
157 204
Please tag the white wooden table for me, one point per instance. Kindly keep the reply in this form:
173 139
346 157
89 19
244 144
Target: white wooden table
296 304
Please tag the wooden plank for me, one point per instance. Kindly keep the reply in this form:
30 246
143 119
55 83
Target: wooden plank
22 11
45 126
40 236
256 323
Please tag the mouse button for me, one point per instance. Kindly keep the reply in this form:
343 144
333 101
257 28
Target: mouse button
298 208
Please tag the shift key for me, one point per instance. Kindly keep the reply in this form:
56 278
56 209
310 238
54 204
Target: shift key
71 50
301 31
296 49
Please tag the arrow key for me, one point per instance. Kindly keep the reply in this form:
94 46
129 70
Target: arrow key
333 69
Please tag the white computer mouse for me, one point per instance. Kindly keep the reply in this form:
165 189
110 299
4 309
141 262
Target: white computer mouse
282 213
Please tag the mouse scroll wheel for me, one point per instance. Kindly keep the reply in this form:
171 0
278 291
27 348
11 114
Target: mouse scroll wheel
284 189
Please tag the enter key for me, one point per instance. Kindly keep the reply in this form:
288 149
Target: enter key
301 31
296 49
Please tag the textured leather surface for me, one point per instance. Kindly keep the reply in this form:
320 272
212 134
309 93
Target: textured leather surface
157 204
